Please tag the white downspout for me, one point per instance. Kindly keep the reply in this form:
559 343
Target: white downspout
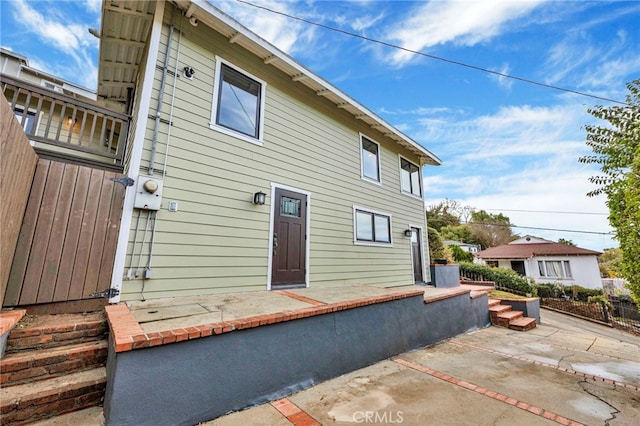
136 151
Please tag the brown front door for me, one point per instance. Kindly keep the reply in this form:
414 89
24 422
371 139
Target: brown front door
416 251
289 238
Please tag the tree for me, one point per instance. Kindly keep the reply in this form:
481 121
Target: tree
610 263
567 242
616 150
445 213
490 230
437 249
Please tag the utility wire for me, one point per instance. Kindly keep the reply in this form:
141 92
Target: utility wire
543 229
439 58
546 211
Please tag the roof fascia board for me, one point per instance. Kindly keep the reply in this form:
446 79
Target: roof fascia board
204 7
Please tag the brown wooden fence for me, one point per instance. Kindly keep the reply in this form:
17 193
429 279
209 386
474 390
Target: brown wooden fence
67 242
17 165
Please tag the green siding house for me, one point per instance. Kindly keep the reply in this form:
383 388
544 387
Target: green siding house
251 172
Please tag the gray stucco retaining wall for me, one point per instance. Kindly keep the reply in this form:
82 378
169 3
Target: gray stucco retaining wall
197 380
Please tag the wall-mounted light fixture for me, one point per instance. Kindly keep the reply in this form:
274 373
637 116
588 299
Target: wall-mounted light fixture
259 198
71 122
408 233
188 72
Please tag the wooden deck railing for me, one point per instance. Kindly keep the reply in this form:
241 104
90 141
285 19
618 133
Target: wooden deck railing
65 127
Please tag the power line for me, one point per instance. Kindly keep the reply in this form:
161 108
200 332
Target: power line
538 228
439 58
545 211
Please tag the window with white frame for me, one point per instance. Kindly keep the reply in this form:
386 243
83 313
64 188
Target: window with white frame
554 268
370 159
410 178
238 104
371 227
30 121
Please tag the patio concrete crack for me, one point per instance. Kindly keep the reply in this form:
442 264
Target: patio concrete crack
607 422
592 343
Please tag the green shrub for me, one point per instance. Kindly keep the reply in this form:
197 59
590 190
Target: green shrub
574 292
460 255
501 276
436 245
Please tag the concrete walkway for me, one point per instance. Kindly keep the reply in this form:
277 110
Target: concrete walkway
566 371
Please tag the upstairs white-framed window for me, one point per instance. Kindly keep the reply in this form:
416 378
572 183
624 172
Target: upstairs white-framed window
554 268
238 103
371 227
30 122
370 160
410 182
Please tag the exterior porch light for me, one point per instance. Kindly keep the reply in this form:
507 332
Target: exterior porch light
259 198
408 232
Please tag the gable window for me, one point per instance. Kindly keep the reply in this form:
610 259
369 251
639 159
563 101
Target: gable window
554 268
238 105
372 227
410 178
370 160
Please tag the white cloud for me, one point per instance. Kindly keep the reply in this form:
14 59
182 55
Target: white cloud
71 38
459 22
520 158
278 30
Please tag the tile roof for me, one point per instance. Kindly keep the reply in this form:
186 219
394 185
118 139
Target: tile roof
525 251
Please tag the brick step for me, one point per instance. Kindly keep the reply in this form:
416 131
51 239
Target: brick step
31 402
493 302
504 319
494 311
523 324
47 331
29 366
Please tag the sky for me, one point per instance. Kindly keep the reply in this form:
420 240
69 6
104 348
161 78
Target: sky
507 146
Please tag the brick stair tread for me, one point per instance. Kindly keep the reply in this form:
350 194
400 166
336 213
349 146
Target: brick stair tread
522 321
493 302
498 309
56 320
41 355
510 315
30 366
23 394
92 416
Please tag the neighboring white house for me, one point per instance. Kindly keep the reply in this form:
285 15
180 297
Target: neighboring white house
471 248
546 261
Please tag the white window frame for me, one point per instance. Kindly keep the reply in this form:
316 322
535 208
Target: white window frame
215 102
420 182
30 111
565 265
362 175
356 241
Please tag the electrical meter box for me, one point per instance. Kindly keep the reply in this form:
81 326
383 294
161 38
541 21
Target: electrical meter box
148 193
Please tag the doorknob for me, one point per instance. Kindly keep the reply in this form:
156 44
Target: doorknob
275 243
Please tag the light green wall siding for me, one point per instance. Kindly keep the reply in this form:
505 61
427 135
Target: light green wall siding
218 241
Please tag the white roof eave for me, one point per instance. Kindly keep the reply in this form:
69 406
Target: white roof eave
206 12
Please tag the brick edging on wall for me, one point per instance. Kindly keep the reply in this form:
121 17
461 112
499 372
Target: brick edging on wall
9 319
127 334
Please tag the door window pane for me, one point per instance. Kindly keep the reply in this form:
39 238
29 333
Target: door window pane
289 207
